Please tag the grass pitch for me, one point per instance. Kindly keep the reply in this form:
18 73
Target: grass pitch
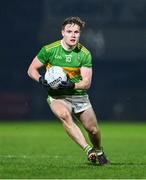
42 150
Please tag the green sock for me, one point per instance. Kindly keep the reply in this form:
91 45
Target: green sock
87 149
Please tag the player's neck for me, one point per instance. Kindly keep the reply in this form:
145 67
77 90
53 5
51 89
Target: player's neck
66 47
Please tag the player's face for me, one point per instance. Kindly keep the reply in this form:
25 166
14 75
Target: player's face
71 35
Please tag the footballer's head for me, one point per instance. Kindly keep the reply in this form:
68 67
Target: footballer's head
71 30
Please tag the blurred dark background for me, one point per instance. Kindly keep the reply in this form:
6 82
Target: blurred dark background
116 35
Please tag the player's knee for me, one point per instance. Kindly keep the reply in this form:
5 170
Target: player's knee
93 130
64 115
66 119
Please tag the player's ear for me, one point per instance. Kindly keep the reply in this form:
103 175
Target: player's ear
62 32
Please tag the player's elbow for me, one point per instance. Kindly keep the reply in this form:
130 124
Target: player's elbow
84 84
87 86
28 72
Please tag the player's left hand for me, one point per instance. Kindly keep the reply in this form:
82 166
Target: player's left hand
66 85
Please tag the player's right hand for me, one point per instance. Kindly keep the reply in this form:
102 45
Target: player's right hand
43 82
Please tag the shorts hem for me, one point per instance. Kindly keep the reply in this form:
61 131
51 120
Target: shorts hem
79 111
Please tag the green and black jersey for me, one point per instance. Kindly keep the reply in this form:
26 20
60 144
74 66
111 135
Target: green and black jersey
71 61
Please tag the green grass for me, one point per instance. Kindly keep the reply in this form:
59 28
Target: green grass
42 150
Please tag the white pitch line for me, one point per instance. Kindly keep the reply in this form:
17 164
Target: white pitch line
29 156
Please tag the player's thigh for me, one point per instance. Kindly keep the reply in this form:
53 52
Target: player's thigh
88 118
60 108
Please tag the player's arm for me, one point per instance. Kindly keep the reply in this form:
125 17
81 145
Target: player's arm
85 83
33 70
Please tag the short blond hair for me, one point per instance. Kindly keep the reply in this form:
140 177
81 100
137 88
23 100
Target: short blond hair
73 20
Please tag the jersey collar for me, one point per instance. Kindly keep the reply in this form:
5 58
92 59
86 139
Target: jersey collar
66 48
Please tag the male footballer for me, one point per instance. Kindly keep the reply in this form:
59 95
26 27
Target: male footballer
70 100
